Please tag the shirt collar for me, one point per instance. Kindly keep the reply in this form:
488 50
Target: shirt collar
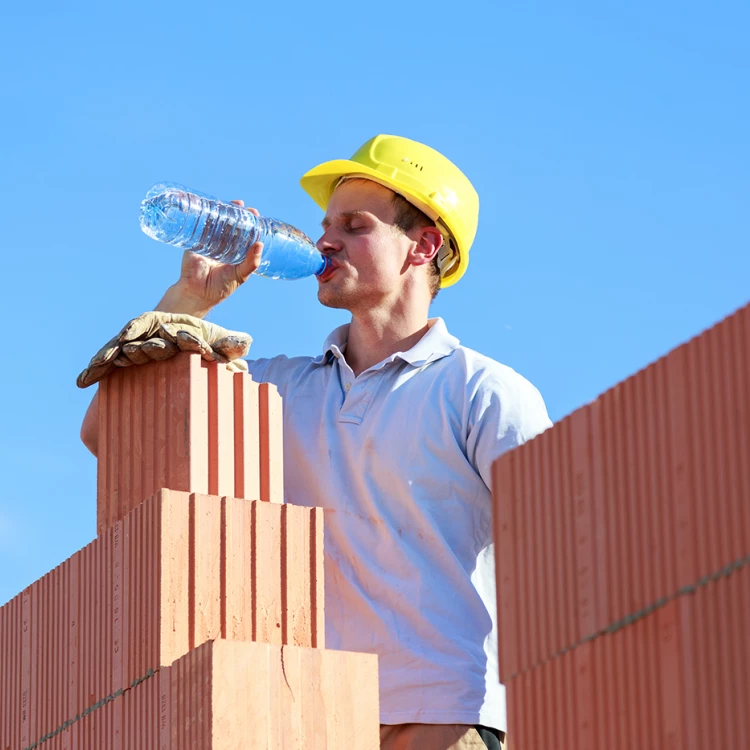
435 344
334 345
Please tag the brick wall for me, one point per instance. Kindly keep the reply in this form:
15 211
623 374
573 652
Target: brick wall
623 545
195 619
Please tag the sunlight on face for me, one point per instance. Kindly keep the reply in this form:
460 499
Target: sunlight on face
368 253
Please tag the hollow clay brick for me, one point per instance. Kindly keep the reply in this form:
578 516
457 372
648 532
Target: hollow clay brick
506 507
627 500
271 444
204 613
221 425
238 541
265 696
166 403
226 695
266 573
246 438
189 426
178 570
628 504
677 677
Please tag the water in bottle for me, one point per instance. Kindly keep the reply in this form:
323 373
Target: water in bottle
191 220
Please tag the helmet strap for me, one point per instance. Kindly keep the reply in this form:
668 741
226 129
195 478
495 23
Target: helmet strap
447 256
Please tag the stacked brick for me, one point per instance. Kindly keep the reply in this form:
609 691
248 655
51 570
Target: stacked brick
623 560
194 620
187 426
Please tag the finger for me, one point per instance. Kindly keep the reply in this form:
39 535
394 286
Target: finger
168 331
158 349
92 375
138 328
121 361
134 352
190 343
233 346
254 211
85 379
200 329
238 203
142 327
106 354
250 263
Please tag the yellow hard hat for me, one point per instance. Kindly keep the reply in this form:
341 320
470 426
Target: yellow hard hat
424 177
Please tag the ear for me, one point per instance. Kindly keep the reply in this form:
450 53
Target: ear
426 246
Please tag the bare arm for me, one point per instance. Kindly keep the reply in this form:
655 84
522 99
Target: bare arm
90 427
202 285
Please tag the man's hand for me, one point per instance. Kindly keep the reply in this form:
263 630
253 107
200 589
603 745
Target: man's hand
160 335
204 282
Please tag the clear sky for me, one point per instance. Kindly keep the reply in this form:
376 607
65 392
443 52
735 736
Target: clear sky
608 142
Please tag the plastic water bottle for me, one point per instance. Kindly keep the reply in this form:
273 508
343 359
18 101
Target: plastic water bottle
191 220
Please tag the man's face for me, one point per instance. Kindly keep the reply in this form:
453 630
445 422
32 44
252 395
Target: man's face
368 253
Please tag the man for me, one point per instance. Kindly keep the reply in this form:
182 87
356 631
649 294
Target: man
393 430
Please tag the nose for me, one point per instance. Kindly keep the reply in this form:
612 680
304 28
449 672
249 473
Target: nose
328 244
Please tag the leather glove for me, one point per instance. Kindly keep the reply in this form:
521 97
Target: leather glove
160 335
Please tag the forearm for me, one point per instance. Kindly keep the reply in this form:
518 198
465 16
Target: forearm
178 300
203 284
90 426
175 300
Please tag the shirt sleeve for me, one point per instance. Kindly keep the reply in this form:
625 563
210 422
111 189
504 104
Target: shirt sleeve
281 371
506 410
257 368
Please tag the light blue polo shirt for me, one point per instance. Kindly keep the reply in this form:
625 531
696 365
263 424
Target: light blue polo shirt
400 458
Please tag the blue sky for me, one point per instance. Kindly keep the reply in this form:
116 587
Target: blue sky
608 143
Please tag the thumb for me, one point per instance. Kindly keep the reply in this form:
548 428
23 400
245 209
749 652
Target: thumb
250 263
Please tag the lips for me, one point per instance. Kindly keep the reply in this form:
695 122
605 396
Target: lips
329 270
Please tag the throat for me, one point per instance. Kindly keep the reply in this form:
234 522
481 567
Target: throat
366 348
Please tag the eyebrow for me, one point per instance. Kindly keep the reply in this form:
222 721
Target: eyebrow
345 215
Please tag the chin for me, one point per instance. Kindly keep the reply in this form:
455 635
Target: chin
331 298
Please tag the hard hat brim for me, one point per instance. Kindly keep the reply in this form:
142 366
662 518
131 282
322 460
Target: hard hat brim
320 182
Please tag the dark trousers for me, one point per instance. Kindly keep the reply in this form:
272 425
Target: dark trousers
492 738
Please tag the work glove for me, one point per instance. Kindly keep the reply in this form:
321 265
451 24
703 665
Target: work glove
160 335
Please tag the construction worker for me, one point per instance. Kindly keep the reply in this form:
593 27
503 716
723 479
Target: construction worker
392 429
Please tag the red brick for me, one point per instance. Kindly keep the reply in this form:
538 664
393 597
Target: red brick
649 495
188 426
167 577
224 695
271 444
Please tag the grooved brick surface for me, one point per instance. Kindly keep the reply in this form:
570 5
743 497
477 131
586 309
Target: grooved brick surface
678 678
226 695
627 500
265 697
271 444
176 571
623 560
186 425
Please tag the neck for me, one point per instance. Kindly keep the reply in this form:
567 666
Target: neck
376 334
